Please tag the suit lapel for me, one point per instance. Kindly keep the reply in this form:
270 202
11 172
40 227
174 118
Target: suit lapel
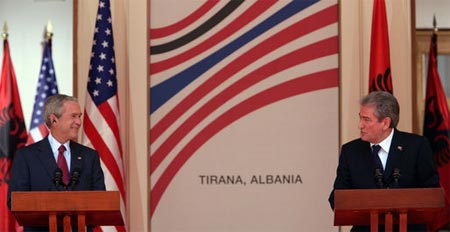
46 156
76 156
367 150
394 155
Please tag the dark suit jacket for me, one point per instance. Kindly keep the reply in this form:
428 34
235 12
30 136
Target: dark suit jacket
34 166
410 153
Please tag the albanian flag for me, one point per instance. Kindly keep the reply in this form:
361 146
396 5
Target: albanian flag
437 129
380 78
13 134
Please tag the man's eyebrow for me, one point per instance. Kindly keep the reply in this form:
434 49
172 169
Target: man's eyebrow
362 116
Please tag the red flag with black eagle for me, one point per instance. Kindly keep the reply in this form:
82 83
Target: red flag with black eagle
380 78
13 134
437 129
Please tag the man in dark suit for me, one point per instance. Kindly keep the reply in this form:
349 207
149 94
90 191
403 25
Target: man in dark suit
401 160
36 167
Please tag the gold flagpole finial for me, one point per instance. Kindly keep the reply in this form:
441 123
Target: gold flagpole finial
49 30
5 31
435 24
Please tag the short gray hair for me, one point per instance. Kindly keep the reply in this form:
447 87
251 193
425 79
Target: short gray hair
55 105
386 105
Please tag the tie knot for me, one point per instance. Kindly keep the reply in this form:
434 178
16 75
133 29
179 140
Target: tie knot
376 149
62 148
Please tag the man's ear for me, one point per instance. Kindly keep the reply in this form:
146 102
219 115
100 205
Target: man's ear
53 118
386 123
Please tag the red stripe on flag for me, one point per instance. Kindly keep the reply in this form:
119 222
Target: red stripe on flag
107 112
104 151
43 129
30 140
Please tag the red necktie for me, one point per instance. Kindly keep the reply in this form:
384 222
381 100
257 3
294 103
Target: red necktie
62 164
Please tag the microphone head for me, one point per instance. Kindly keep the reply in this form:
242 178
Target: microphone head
76 172
379 177
57 176
75 176
396 174
58 173
378 172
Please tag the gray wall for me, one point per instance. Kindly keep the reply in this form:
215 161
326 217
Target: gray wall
26 21
425 9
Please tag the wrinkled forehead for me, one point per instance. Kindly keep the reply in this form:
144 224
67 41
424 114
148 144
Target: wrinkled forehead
367 109
71 107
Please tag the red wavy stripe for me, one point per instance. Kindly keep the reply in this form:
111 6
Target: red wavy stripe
320 49
250 14
303 27
188 20
104 152
327 16
111 119
317 81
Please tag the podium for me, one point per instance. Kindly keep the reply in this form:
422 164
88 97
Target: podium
387 206
67 208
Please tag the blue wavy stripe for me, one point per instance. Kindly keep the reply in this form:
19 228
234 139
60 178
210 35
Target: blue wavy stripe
162 92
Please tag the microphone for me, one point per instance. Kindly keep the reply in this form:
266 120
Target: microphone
74 177
57 179
379 177
396 175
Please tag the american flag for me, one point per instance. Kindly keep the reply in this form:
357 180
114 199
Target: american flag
46 87
101 115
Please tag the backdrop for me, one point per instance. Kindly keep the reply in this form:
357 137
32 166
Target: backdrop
243 115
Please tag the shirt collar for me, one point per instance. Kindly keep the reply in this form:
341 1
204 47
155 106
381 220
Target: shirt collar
54 144
386 143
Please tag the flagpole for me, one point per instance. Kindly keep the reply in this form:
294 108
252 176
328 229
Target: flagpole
49 30
5 31
435 29
49 34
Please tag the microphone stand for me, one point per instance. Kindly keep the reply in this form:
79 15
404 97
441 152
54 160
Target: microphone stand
57 180
396 175
74 179
379 178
